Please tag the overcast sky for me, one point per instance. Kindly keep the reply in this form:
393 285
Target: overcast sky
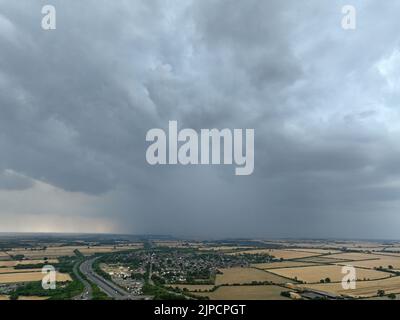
76 103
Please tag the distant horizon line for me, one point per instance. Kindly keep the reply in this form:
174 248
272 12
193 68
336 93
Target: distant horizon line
194 237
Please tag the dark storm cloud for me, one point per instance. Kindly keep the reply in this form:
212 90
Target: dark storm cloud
77 102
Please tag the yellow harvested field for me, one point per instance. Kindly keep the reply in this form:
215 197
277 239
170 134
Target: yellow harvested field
316 251
354 256
247 293
3 298
384 262
316 273
3 254
388 253
12 270
363 289
323 260
283 264
246 276
192 288
24 262
291 254
40 254
29 277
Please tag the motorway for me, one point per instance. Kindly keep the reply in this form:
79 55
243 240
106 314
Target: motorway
87 293
108 287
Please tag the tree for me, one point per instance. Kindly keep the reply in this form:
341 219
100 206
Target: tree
381 293
392 296
328 280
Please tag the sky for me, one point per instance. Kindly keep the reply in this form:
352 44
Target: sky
76 104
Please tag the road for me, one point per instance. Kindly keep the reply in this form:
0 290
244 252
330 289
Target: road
87 292
108 287
151 271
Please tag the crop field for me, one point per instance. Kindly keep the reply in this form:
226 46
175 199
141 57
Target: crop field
248 269
13 263
54 252
246 276
316 251
364 289
268 292
354 256
29 277
322 260
283 264
292 254
388 253
334 273
384 262
12 270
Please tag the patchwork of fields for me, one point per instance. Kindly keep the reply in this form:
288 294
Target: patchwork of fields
334 273
23 265
274 270
302 269
54 252
29 277
268 292
246 276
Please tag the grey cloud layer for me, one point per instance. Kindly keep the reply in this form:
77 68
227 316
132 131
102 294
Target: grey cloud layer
77 102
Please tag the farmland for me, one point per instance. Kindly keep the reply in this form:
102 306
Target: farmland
283 264
384 262
316 273
56 251
29 277
232 269
280 254
363 289
13 263
267 292
246 275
